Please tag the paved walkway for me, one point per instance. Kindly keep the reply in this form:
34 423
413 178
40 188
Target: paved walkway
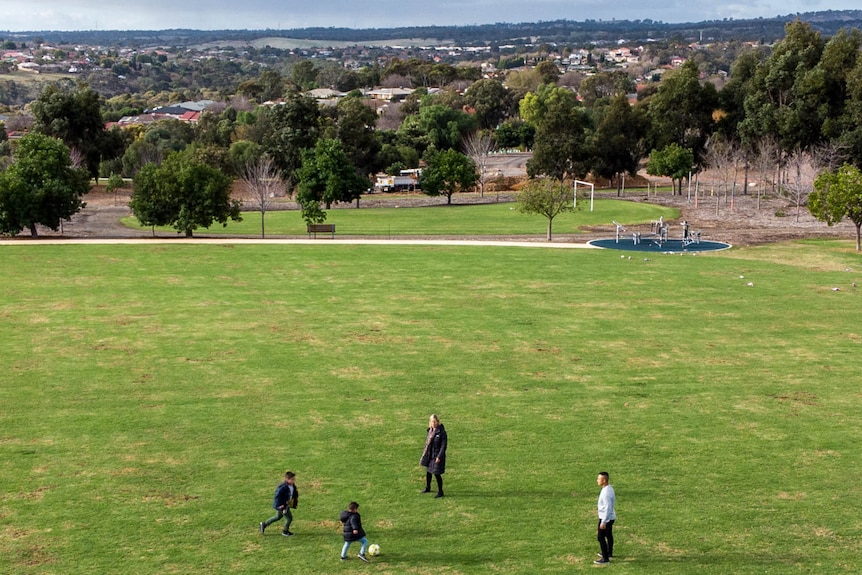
318 242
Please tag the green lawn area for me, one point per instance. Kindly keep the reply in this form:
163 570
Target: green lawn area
483 219
152 397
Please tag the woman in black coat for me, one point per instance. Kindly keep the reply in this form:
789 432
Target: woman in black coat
434 456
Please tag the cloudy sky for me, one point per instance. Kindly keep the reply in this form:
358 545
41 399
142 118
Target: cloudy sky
18 15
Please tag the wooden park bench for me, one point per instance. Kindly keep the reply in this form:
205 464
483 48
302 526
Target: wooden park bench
314 229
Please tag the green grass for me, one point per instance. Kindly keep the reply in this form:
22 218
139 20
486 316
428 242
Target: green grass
484 219
153 396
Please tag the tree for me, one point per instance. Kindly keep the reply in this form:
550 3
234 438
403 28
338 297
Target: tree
491 102
183 193
766 164
327 176
139 154
40 186
722 156
521 82
355 129
478 147
560 149
170 135
269 86
263 182
548 72
242 153
216 129
605 85
115 182
851 120
114 144
304 74
800 179
75 117
732 95
618 139
295 126
681 111
672 161
838 195
447 172
782 97
546 197
435 126
515 133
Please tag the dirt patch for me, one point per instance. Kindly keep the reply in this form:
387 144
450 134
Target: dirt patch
741 221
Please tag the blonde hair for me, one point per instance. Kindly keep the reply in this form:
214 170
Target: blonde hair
434 418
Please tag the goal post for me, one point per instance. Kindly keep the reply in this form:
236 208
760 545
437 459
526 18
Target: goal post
592 192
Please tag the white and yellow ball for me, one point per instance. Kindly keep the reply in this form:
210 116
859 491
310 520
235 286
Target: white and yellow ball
374 549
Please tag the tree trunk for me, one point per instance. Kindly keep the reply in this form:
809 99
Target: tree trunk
188 233
550 235
858 242
745 182
262 231
33 231
448 199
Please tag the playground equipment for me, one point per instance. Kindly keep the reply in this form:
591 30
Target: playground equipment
689 237
658 234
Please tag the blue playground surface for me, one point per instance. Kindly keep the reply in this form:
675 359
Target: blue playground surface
655 246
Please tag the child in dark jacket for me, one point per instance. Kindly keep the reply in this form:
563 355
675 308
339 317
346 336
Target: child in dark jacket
286 498
353 531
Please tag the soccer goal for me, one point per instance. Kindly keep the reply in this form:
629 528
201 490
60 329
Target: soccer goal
592 192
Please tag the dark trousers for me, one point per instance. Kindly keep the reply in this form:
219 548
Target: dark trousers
606 539
439 479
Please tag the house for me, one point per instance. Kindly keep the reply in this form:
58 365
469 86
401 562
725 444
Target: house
389 94
181 108
190 116
324 94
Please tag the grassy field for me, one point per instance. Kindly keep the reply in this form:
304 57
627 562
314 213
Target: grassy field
153 396
485 219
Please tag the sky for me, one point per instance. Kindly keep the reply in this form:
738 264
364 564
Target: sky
36 15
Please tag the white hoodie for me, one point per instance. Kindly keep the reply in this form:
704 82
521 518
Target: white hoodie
607 499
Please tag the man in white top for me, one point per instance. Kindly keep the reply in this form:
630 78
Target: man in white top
607 516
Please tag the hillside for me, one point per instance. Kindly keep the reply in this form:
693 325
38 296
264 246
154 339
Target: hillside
559 31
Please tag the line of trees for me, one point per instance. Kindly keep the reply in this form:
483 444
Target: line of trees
783 116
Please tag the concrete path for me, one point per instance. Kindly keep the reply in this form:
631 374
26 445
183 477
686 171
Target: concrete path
309 242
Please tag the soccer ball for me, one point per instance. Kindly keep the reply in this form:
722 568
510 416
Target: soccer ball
374 549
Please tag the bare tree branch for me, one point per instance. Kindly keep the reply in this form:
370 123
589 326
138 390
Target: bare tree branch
800 179
478 146
262 181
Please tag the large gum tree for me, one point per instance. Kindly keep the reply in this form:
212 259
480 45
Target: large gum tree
40 186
